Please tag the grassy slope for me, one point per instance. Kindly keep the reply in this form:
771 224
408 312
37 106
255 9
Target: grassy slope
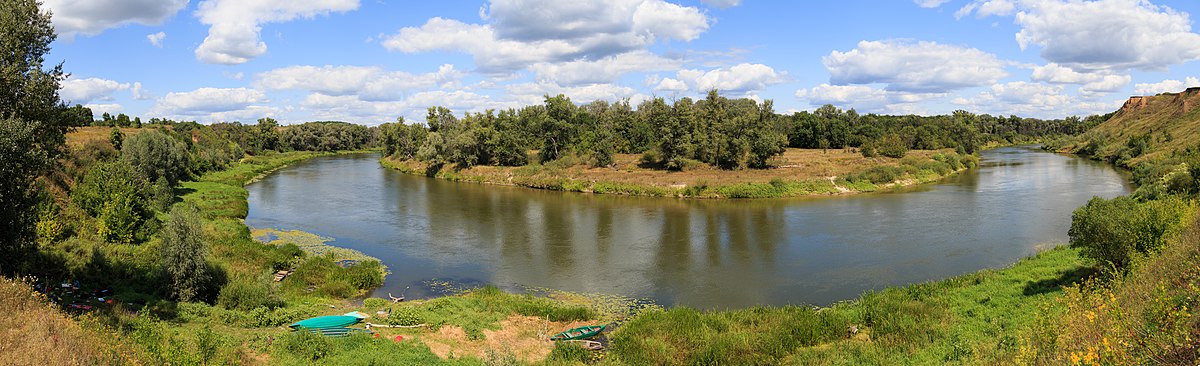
799 172
1171 126
1150 316
977 318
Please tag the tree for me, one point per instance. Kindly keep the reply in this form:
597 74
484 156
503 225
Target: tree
892 146
154 154
114 193
20 165
184 254
116 137
556 128
268 137
31 128
1118 231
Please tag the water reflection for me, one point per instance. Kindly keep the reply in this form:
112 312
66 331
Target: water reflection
703 253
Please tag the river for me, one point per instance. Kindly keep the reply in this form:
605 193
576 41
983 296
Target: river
700 253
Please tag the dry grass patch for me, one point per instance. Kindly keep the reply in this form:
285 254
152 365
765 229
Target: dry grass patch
35 332
526 337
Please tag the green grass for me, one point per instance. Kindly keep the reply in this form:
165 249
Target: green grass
975 318
483 308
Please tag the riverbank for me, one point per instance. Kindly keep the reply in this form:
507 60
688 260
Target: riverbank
983 317
798 172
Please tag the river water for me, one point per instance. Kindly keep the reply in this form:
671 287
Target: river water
700 253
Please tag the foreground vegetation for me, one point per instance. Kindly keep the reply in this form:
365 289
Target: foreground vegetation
127 245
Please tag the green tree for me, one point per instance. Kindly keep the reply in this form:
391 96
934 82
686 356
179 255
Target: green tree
766 140
268 136
154 154
31 125
556 128
17 191
114 193
116 137
892 146
184 254
1118 231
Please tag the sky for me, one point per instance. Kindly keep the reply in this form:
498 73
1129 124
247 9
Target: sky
372 61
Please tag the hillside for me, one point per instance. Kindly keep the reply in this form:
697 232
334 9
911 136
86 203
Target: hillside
1146 128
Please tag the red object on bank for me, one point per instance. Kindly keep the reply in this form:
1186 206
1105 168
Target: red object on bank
399 338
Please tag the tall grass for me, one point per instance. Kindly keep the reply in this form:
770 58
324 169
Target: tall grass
976 318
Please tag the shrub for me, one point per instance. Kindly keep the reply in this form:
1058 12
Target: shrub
184 254
364 275
879 174
246 294
307 345
154 154
405 316
568 353
283 256
1118 231
892 146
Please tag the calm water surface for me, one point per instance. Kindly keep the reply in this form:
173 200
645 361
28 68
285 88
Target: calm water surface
700 253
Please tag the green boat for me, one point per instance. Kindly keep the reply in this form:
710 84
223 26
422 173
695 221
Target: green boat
330 321
584 332
335 332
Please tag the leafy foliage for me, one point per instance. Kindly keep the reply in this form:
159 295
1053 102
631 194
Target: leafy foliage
184 254
1119 231
154 155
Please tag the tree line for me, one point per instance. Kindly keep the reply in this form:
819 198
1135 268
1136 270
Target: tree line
718 131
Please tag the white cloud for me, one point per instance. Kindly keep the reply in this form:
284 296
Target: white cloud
527 32
99 109
669 84
985 8
233 35
208 101
722 3
1165 86
366 82
1093 83
930 3
156 38
1113 35
83 91
90 17
351 108
138 92
865 98
738 80
604 70
914 66
1036 100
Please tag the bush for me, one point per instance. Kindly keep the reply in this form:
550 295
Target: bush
868 150
568 353
284 256
892 146
1118 231
307 345
405 316
246 294
364 275
184 254
154 154
879 174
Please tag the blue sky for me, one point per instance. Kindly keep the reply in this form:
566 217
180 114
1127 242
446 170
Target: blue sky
371 61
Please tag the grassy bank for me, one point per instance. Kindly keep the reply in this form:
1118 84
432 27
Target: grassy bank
978 318
799 172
